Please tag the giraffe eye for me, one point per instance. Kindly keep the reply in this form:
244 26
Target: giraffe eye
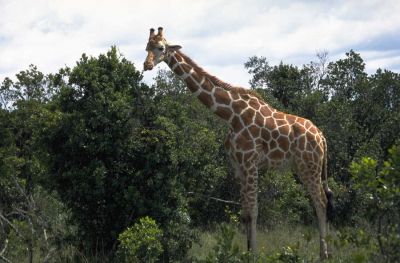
161 48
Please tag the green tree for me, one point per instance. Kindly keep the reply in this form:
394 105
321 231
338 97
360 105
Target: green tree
286 87
380 113
92 147
380 188
23 163
357 121
112 158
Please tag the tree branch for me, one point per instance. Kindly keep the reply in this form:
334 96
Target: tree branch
11 225
5 247
214 198
3 251
5 259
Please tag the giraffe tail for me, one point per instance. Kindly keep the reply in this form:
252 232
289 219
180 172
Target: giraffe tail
328 192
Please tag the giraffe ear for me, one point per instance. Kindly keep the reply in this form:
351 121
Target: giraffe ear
174 47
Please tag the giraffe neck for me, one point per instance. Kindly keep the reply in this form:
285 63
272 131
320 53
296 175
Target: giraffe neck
211 94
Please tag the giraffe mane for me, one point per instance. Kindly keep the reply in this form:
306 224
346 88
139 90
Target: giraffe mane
218 82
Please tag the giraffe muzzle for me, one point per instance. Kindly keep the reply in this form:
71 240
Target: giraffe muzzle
149 63
148 66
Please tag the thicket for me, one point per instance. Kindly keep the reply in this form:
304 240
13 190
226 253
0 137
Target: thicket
88 151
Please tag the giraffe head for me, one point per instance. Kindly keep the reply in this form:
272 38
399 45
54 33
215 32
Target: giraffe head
157 49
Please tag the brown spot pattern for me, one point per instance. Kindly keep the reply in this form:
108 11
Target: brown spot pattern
186 68
236 124
178 70
247 116
224 112
245 133
265 111
235 96
290 119
245 96
275 134
207 85
284 130
206 99
281 122
254 103
269 123
254 130
259 120
221 96
278 115
272 144
238 106
191 84
276 154
172 62
266 135
283 143
196 77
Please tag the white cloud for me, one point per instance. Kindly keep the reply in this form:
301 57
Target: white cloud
219 35
383 60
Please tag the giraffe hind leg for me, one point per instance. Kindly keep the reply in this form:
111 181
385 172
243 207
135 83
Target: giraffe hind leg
320 202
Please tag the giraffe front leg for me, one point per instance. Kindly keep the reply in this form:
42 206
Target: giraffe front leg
248 191
249 219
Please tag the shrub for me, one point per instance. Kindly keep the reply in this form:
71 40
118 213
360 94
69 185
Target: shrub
380 189
283 199
141 242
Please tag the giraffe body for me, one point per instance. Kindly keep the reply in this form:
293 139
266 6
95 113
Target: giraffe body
259 137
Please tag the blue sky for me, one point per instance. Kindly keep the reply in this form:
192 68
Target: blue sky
219 35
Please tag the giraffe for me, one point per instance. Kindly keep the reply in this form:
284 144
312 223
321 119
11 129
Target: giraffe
259 136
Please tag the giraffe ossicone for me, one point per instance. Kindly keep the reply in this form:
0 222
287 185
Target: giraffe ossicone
259 136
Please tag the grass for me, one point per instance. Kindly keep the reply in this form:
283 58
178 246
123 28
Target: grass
269 241
304 239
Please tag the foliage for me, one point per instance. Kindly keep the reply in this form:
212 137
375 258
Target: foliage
227 250
283 200
357 238
31 85
381 190
91 145
25 228
288 84
112 158
141 242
